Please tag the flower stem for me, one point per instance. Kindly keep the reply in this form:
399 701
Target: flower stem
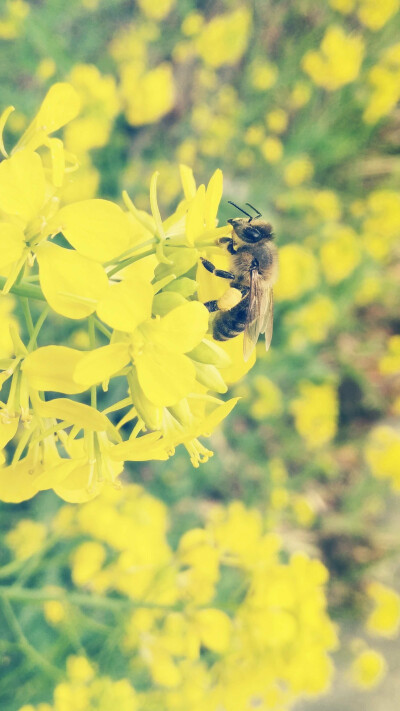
31 291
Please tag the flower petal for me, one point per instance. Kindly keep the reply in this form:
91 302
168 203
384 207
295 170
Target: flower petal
52 368
181 329
12 243
100 364
72 284
164 377
127 304
22 185
98 229
76 413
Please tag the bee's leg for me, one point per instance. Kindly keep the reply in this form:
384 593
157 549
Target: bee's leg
218 272
230 246
211 306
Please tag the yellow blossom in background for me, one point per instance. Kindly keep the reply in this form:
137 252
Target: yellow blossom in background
298 272
340 253
46 68
344 6
272 149
368 669
298 171
100 105
384 80
381 223
338 61
301 94
12 18
148 96
263 74
303 510
389 364
382 452
224 38
156 10
312 322
277 120
384 620
375 15
27 538
315 413
268 399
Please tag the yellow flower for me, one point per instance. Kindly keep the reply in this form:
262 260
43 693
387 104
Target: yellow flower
381 224
390 363
375 15
277 120
368 669
268 401
340 253
384 79
27 538
148 95
263 74
298 272
272 149
316 413
298 171
337 62
224 39
312 322
158 10
384 620
382 453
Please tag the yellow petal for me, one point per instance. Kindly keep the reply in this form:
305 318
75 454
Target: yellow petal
7 431
98 229
213 198
140 449
127 304
18 482
12 243
72 284
239 367
181 329
22 185
195 216
60 105
188 181
74 488
164 377
52 368
214 628
101 364
73 412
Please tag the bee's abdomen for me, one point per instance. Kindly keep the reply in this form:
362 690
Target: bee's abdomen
229 324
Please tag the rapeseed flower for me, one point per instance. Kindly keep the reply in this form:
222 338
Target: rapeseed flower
316 413
337 62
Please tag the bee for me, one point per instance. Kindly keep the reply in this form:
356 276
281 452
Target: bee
248 304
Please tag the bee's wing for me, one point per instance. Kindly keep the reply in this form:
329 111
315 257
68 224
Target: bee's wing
260 314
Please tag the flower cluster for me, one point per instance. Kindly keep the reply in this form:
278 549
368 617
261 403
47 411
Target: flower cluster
269 644
134 278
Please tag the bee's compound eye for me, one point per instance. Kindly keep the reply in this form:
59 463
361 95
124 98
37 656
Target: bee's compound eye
251 234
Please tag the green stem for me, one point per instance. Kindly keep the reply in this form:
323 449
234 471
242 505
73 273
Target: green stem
36 330
22 289
30 595
32 654
102 328
136 248
129 261
27 315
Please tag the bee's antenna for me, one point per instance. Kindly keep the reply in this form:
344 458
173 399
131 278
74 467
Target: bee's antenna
255 209
239 208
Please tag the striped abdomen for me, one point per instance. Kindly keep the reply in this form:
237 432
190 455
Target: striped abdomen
228 324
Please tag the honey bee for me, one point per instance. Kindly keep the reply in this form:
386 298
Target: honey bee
248 304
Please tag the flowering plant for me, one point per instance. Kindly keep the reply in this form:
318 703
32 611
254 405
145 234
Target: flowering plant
133 278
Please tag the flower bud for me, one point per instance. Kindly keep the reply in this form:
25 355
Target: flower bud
209 352
209 376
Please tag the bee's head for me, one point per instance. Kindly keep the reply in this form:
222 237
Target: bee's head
252 230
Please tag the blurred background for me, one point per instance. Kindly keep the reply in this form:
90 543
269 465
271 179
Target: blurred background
297 103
